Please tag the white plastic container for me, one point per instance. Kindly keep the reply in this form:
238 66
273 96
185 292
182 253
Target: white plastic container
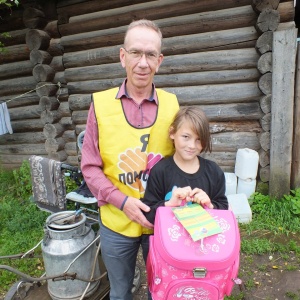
246 163
239 204
231 183
246 186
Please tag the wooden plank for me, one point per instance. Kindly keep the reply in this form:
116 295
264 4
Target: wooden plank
295 178
282 119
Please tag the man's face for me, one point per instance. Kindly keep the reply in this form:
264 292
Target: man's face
141 57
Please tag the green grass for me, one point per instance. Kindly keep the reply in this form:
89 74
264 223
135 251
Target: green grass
274 229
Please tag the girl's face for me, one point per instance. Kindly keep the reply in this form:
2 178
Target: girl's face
187 143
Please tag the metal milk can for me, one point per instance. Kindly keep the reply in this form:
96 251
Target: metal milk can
67 248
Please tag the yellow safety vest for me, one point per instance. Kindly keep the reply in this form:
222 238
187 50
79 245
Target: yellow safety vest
128 153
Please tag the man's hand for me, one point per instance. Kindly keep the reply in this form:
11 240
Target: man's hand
133 209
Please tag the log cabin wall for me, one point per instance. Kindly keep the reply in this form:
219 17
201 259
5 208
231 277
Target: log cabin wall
72 50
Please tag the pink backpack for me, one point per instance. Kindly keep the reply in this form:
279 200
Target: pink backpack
179 268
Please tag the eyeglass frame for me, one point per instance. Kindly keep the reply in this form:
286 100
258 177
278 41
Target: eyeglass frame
142 53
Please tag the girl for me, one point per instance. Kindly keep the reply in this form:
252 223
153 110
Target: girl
185 176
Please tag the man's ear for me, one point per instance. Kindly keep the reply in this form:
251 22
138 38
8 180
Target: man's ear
160 60
122 57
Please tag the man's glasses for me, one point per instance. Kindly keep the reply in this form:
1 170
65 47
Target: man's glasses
137 55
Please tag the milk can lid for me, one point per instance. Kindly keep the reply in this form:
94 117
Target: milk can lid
65 220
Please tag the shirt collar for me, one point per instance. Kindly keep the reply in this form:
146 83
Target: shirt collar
123 92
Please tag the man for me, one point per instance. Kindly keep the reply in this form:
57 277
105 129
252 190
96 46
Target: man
126 134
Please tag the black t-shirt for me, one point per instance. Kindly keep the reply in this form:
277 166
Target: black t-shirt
165 175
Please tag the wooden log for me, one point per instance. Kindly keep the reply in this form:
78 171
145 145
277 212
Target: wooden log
31 125
232 141
202 61
265 42
264 158
266 122
54 116
52 29
268 20
40 57
34 18
175 45
54 145
71 148
59 156
171 27
59 78
265 83
14 54
23 149
221 158
123 15
53 130
264 140
66 9
67 122
215 127
79 117
46 89
69 136
231 112
282 119
212 94
43 73
55 47
15 69
80 102
13 37
261 5
57 63
62 93
16 159
207 77
49 103
82 87
264 174
37 39
17 85
286 11
22 138
79 128
295 174
73 160
21 100
25 112
264 64
265 103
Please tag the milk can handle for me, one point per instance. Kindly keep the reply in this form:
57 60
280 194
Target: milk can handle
87 231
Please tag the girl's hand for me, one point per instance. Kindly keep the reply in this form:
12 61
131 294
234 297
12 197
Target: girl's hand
178 195
200 197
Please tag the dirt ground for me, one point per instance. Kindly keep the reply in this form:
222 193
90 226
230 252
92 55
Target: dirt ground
267 278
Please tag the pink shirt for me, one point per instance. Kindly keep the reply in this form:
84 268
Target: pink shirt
138 115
